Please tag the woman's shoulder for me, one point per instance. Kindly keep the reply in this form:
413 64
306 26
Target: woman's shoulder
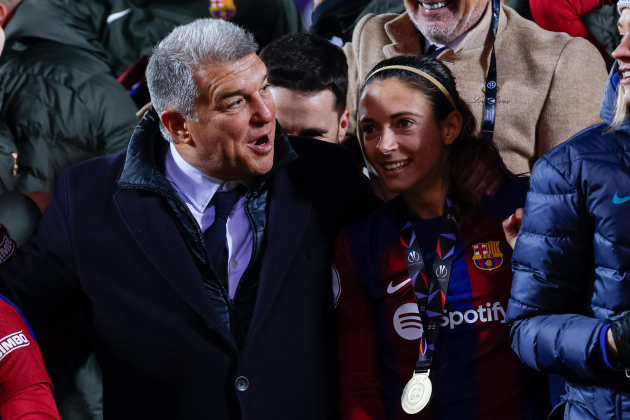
593 151
594 143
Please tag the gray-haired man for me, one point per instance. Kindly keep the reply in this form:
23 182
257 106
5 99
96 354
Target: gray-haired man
203 262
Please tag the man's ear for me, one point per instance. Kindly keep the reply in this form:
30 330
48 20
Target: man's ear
4 14
176 125
451 127
343 125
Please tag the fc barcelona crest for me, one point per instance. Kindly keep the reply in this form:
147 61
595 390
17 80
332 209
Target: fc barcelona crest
222 9
487 256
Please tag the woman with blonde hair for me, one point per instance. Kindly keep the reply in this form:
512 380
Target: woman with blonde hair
570 304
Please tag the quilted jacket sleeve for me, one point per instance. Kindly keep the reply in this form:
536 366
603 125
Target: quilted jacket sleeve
549 291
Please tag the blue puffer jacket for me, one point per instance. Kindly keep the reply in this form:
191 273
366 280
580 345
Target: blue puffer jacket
572 266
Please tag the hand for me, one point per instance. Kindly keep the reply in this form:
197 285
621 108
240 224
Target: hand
317 3
620 343
41 198
512 225
611 347
486 180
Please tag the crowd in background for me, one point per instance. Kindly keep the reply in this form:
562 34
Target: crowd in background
74 86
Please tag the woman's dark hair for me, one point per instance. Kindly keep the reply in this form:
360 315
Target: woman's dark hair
468 149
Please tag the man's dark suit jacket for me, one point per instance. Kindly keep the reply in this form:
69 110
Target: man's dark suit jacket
162 347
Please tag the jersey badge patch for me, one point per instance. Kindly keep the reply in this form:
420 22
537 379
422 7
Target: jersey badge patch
487 256
222 9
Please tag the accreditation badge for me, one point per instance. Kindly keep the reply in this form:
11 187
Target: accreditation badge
417 393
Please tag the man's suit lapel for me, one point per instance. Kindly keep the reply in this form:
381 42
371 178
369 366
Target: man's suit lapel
150 223
288 211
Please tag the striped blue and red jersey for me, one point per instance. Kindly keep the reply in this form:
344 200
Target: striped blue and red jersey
475 373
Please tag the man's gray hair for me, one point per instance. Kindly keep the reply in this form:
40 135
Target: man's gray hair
171 69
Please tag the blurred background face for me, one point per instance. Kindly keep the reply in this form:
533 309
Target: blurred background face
442 21
310 115
402 140
622 53
235 132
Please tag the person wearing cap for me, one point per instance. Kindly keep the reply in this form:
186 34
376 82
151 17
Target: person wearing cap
570 299
548 86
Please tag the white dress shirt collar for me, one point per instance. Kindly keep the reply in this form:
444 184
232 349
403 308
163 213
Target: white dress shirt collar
451 45
197 187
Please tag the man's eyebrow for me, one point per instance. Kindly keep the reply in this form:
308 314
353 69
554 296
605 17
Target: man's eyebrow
237 92
230 94
313 132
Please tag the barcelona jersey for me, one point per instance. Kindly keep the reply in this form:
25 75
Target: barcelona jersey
475 373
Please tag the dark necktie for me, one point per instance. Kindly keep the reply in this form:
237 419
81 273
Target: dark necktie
215 237
434 51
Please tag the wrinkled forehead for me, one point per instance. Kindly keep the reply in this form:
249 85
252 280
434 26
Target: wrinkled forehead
244 75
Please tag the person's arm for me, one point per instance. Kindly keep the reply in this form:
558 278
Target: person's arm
41 276
361 389
110 113
25 387
32 403
580 78
8 148
552 256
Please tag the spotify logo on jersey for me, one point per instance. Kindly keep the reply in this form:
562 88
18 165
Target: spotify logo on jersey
407 321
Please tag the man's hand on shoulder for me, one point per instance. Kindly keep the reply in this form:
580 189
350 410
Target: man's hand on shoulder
486 179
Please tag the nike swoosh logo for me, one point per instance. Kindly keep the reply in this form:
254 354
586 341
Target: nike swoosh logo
391 289
618 200
118 15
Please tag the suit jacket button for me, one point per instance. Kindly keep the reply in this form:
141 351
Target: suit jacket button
242 383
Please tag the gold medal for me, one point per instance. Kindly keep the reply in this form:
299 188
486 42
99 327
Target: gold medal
417 393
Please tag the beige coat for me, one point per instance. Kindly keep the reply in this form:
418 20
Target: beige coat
550 84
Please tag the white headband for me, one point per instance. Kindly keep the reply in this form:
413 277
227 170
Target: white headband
622 4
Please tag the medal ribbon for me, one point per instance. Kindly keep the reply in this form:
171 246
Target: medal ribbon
490 104
430 288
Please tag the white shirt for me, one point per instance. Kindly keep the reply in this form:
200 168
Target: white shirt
197 190
451 45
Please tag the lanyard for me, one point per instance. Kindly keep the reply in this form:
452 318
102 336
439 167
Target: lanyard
430 288
490 103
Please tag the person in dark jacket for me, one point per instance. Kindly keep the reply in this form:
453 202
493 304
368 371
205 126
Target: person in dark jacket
152 247
60 100
570 302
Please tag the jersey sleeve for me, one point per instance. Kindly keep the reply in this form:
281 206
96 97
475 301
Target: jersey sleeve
34 402
361 387
21 363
